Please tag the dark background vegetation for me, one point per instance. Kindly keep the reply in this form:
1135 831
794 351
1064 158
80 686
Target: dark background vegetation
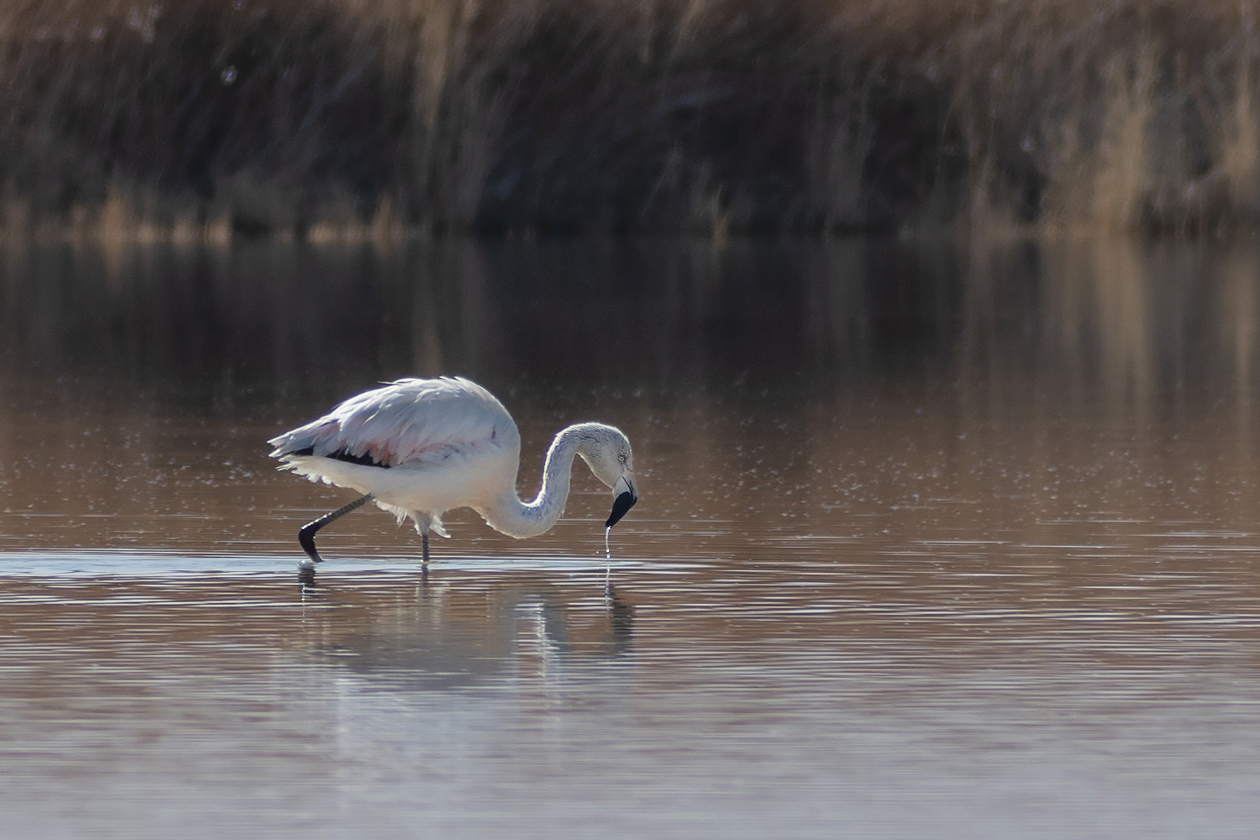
344 119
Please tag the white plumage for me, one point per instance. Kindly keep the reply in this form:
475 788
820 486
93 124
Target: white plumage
421 447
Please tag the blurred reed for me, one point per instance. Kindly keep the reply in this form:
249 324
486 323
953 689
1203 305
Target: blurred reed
356 120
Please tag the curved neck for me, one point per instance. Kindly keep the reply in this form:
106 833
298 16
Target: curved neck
509 515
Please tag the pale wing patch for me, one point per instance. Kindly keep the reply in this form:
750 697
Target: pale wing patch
411 423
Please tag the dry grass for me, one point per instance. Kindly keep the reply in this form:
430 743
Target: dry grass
358 120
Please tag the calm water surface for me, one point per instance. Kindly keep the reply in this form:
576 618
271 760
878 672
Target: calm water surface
933 542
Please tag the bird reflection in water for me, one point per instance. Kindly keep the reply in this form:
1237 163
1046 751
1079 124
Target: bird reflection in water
463 632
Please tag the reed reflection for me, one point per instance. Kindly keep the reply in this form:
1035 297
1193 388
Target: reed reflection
1113 319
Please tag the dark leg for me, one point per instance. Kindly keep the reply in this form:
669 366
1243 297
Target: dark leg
424 549
306 538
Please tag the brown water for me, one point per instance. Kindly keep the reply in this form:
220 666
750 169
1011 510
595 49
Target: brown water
931 543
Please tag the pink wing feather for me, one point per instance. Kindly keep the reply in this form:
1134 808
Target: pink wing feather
410 422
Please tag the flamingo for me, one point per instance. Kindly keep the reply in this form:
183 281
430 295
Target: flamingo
421 447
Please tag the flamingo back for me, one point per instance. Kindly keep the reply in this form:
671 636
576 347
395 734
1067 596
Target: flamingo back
408 423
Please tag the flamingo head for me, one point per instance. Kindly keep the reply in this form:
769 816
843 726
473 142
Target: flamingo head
607 452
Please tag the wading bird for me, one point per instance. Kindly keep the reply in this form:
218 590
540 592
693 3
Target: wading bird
421 447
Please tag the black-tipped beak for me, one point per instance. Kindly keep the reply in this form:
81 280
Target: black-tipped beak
622 504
